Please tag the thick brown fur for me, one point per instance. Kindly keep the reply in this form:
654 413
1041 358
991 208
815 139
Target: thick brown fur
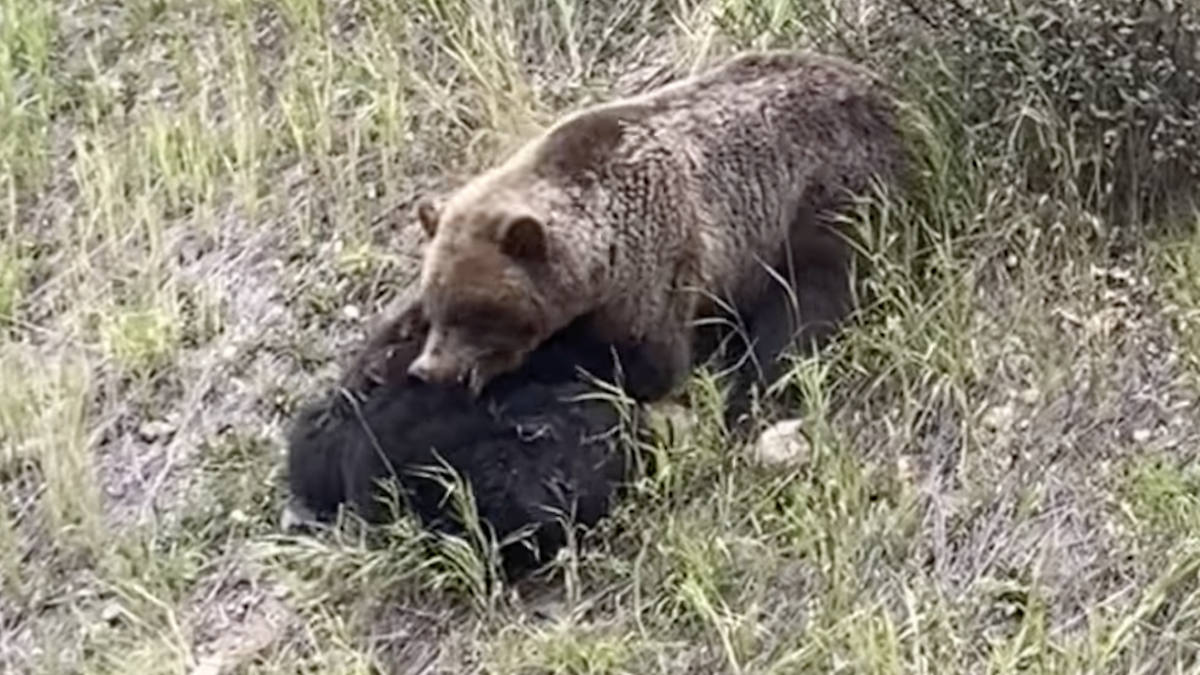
649 212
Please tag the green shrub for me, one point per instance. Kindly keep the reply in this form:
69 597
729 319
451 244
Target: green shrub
1092 102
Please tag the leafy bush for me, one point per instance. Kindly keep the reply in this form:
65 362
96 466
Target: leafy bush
1092 102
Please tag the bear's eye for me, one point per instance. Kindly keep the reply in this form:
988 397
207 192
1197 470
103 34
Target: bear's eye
492 326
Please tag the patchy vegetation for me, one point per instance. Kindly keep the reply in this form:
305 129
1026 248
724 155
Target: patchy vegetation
202 202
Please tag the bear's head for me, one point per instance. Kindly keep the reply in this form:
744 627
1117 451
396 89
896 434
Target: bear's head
482 283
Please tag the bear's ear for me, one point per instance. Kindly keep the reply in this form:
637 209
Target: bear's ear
524 238
428 212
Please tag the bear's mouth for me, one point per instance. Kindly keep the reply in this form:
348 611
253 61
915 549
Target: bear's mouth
493 365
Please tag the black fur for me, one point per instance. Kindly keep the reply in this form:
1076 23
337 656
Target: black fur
529 453
800 314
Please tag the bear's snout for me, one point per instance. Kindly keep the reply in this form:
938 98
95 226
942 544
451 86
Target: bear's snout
432 369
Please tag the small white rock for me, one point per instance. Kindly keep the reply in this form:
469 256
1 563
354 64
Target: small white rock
295 516
111 613
781 445
156 430
999 417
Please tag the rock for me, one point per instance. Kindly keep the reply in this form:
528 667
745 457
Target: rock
296 518
783 445
999 417
156 430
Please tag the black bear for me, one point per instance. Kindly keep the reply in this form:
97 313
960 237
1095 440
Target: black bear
534 448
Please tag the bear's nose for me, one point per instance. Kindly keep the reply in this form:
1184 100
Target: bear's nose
426 368
419 369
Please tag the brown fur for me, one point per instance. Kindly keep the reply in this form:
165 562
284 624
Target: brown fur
648 212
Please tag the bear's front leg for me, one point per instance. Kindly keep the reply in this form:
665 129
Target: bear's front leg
653 367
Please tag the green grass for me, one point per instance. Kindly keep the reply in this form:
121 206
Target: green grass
201 204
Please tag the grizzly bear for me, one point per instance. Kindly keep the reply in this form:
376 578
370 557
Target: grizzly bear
709 197
530 448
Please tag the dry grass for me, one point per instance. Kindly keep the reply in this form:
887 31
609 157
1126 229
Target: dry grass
201 203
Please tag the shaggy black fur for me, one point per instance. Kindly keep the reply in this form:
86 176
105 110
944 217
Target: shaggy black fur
530 454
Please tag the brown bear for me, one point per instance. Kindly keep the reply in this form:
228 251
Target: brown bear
647 213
